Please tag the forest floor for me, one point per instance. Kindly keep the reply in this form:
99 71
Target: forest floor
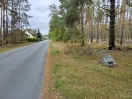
13 46
74 72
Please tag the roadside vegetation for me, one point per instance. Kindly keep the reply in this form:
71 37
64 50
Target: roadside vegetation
87 27
14 23
14 19
18 39
13 46
77 74
90 20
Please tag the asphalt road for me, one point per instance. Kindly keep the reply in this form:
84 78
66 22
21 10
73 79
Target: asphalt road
21 72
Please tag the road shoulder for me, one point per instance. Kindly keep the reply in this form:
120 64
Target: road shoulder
47 83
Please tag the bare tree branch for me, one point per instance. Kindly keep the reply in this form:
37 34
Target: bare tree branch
120 12
105 9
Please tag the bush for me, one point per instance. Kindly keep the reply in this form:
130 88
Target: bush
32 39
38 39
66 38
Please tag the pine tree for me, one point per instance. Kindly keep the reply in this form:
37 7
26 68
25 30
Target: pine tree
39 36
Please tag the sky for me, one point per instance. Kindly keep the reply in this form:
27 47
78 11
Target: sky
40 11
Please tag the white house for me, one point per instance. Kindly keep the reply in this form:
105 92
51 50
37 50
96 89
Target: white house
28 34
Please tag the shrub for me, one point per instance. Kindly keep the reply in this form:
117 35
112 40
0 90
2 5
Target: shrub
38 39
31 39
66 38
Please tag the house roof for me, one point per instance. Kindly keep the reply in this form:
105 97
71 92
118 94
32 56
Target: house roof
30 35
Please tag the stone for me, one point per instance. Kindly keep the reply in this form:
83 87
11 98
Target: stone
108 60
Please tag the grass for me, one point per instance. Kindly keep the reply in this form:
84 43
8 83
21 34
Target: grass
78 74
55 52
13 46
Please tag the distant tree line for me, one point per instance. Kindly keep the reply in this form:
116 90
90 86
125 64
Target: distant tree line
14 18
100 20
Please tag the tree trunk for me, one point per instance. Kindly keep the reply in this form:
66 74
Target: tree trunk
1 24
82 24
19 15
92 14
98 19
130 26
106 25
12 16
3 18
88 24
122 22
119 24
97 41
112 25
6 18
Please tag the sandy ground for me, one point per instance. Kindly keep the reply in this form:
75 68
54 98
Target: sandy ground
47 92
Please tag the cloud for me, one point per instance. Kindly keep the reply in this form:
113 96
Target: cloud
40 11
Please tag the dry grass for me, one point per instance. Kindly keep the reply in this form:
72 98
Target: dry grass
47 77
77 73
13 46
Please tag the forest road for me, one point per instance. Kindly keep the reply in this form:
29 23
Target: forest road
22 71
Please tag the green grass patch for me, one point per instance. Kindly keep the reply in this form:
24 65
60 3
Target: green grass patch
55 52
93 82
87 79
